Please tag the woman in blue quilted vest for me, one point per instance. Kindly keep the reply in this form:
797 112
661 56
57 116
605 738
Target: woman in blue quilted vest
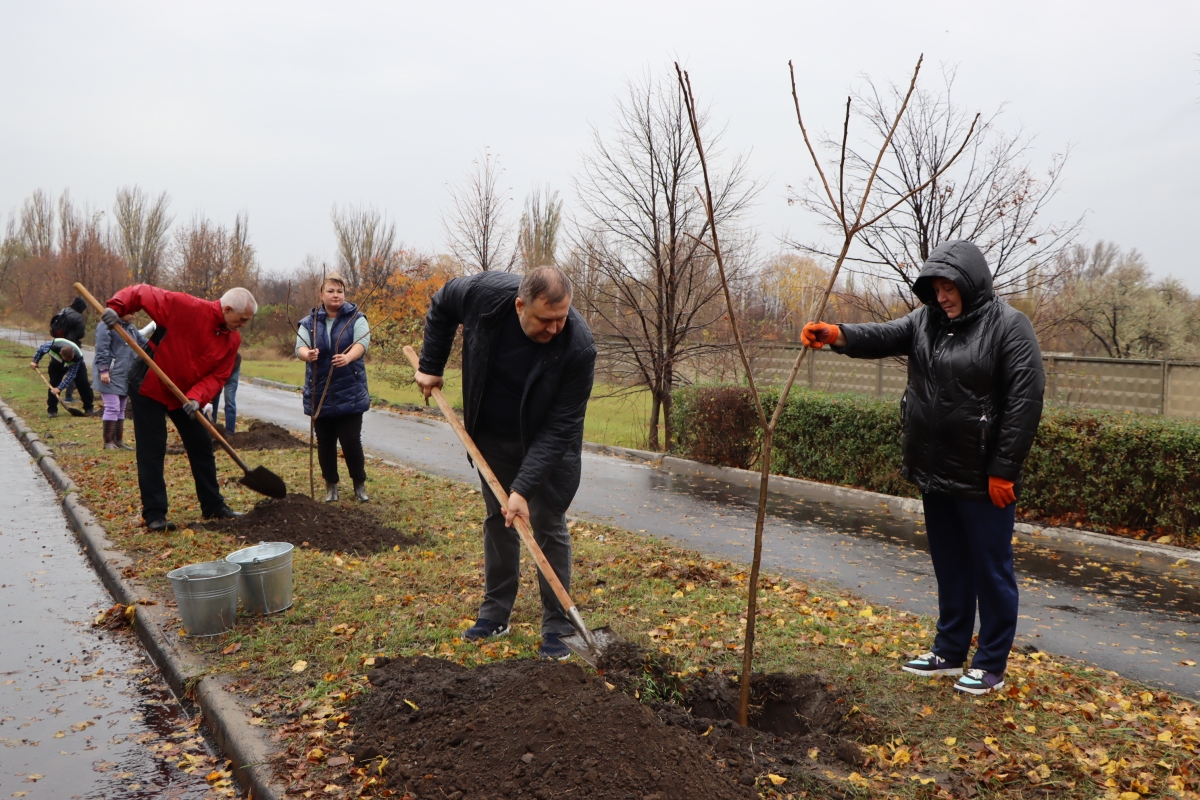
336 403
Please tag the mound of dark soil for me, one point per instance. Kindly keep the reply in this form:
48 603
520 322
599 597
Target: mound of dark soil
537 729
263 436
305 522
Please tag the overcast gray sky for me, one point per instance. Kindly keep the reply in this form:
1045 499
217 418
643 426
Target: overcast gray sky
283 109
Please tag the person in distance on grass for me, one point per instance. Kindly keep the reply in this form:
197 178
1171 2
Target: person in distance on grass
969 413
66 359
528 365
195 343
113 361
70 324
343 337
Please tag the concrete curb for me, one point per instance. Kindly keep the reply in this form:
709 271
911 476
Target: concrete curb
248 747
275 384
908 508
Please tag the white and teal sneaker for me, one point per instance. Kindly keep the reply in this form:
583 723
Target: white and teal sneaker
978 681
931 664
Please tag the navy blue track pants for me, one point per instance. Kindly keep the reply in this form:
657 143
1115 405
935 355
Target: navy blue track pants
970 542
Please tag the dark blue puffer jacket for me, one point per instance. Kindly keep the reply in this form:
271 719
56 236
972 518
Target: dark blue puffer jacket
348 392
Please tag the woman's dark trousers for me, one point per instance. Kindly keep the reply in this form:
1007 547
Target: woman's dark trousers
346 429
970 542
150 429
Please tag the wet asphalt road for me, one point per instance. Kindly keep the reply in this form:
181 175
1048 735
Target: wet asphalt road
1111 606
79 709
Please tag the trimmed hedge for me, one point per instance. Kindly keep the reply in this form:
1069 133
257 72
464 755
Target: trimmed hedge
1128 473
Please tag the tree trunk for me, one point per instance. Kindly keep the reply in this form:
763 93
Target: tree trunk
654 408
668 420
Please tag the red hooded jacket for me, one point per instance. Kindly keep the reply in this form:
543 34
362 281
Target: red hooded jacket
197 352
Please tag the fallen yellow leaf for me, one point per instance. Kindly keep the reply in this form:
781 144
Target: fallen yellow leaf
678 593
300 666
414 706
866 612
950 741
1165 736
777 780
707 732
1031 729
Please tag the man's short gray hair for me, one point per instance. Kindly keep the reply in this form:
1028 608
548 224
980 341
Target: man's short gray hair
548 282
240 300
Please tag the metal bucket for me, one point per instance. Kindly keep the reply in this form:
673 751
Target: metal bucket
266 577
207 596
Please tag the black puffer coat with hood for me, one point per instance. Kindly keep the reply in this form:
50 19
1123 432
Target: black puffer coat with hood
975 383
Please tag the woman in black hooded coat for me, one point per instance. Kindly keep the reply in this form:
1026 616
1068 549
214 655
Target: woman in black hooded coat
969 414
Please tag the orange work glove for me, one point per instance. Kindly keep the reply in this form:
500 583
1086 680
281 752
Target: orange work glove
819 334
1001 491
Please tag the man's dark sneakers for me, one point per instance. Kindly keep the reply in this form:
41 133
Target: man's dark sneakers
225 512
932 664
159 525
553 648
978 681
52 414
484 629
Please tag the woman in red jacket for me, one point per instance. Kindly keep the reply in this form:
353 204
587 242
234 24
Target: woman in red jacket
196 344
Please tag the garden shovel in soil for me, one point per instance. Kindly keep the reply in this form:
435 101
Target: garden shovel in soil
588 645
260 479
72 410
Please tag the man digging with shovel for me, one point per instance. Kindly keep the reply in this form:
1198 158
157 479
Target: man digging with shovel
528 365
196 343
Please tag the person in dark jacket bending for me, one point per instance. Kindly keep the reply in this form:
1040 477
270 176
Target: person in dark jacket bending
66 359
528 365
343 337
970 412
72 326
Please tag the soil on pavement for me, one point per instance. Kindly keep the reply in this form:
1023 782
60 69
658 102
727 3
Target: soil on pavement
547 729
304 522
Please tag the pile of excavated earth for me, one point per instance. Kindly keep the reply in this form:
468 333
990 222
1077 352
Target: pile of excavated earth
543 729
304 522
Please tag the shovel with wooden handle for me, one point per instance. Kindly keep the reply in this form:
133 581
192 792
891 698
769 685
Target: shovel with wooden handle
260 479
588 645
74 412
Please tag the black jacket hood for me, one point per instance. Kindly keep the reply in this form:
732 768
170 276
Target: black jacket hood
962 262
79 305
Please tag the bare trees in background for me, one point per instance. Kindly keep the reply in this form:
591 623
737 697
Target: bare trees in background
84 252
537 237
37 224
142 226
1113 307
645 281
476 226
367 251
992 196
207 258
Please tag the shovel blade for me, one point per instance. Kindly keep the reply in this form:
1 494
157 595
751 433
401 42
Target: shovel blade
603 637
74 412
263 481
